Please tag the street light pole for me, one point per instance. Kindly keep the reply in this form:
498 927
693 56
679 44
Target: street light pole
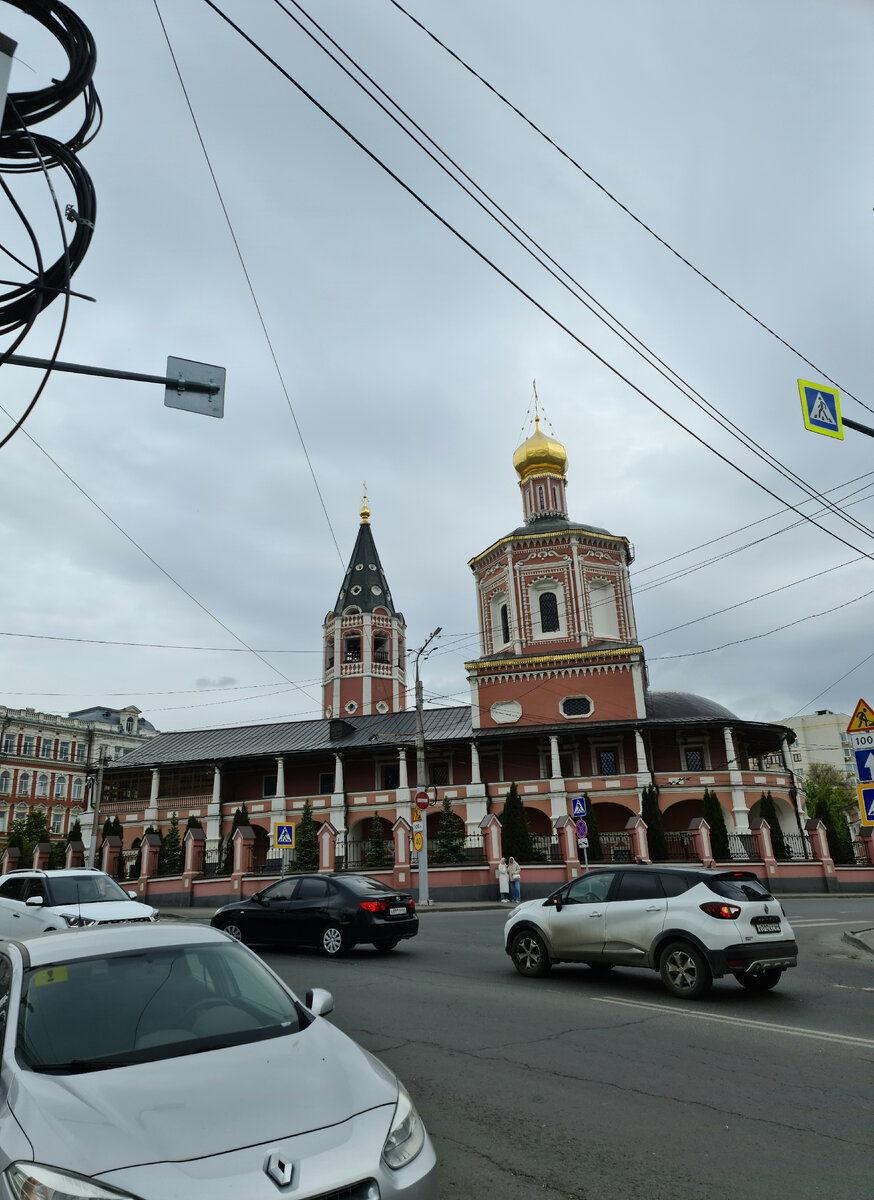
424 898
98 793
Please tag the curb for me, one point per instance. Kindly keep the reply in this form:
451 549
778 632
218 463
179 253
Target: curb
861 939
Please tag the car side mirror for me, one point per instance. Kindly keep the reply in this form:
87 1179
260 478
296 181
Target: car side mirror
319 1001
34 902
133 895
553 902
258 898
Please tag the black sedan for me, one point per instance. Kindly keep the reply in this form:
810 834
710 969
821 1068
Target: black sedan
333 913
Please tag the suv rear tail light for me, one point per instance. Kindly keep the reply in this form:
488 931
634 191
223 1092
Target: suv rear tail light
373 905
723 911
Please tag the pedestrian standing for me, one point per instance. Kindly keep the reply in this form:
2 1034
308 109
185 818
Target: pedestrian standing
515 873
503 875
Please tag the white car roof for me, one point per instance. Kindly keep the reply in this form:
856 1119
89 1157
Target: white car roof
117 939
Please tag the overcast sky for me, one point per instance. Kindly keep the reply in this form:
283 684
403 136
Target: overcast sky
739 132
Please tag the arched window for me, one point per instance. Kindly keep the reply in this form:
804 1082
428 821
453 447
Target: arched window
505 624
42 785
548 612
77 788
129 725
352 647
5 783
23 784
380 648
541 499
60 787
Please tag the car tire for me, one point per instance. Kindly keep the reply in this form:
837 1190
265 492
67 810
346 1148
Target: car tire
333 941
685 971
235 930
529 954
386 944
763 982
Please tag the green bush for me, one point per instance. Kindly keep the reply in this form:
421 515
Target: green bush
715 818
768 812
306 841
449 843
516 839
655 829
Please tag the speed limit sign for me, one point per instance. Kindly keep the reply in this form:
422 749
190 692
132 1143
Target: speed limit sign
417 841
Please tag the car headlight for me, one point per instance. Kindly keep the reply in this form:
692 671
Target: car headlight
32 1181
74 921
407 1134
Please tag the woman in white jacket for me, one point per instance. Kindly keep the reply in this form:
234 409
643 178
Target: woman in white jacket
503 875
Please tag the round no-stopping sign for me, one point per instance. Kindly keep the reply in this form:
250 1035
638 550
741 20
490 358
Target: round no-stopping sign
582 829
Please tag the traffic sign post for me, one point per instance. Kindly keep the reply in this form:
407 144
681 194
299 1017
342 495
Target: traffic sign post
861 731
822 409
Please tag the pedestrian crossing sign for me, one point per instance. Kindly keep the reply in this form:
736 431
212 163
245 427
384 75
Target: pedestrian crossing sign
283 836
866 803
579 806
822 409
862 720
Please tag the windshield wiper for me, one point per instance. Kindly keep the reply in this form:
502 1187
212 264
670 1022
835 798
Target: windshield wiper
80 1065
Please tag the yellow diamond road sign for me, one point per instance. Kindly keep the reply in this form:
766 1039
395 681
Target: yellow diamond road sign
822 409
862 720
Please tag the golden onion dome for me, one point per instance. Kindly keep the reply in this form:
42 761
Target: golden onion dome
540 455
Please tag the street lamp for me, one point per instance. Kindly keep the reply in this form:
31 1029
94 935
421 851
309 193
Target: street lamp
424 898
97 792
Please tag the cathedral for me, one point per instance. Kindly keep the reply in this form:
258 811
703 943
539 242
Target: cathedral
560 705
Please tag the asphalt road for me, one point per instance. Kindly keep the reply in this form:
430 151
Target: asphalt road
576 1088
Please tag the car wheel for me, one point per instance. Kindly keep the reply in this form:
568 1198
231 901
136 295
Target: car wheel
529 953
385 944
333 941
684 971
763 982
234 930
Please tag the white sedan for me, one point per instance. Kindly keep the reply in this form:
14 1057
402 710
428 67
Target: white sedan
170 1063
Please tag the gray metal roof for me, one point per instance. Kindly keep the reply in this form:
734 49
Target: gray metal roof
685 706
557 524
364 584
298 737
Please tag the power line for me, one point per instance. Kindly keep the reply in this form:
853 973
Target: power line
48 637
609 319
249 283
624 207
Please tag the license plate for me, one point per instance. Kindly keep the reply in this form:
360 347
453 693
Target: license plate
768 926
397 912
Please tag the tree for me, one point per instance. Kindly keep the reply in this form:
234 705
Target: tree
170 854
827 793
449 843
655 829
194 823
375 852
715 818
306 840
241 817
107 829
74 834
768 812
26 833
516 839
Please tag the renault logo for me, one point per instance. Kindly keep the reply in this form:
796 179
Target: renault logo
767 909
279 1168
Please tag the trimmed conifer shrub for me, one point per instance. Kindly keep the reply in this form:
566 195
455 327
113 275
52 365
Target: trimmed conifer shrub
306 841
375 854
449 843
768 812
655 829
170 854
516 839
715 818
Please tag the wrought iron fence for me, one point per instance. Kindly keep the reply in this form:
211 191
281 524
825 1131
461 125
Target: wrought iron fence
797 846
217 862
282 863
545 849
470 852
680 847
357 854
860 853
616 847
742 846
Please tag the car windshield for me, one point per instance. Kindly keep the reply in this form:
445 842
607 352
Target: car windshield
95 1013
85 889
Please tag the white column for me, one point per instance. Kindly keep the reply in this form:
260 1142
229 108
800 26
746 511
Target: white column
278 804
214 810
151 813
739 810
554 760
474 764
403 781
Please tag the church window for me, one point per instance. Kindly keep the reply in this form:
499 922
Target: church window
505 624
389 777
541 499
694 756
439 772
548 612
326 783
329 654
351 707
352 647
576 706
605 621
269 785
380 648
554 498
356 589
608 762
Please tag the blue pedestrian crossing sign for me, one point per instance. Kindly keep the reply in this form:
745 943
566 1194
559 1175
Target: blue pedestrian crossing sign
866 803
283 836
579 808
865 765
822 409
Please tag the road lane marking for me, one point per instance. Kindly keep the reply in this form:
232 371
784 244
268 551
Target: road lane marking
811 922
844 1039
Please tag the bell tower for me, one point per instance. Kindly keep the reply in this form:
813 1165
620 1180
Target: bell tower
364 646
556 620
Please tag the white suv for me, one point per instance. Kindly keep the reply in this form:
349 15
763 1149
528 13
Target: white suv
39 901
690 924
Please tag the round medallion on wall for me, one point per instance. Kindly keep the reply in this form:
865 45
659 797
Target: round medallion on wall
382 707
351 707
377 591
506 712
